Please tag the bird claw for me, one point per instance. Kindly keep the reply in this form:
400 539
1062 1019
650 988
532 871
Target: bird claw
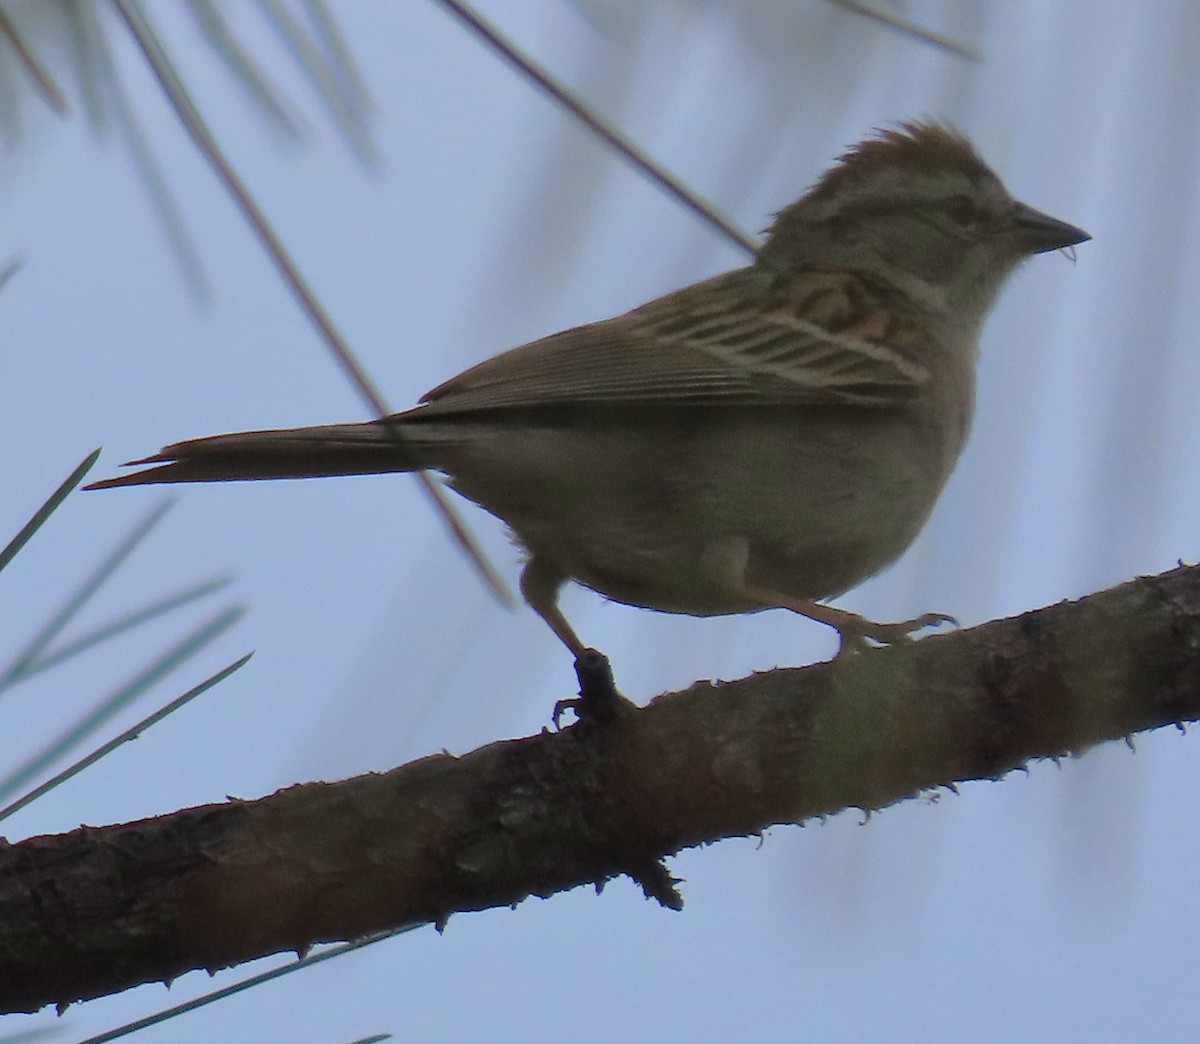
854 635
598 701
930 620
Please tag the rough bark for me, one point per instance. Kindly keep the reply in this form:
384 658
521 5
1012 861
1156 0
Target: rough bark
104 908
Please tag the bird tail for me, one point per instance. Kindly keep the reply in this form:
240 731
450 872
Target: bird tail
335 449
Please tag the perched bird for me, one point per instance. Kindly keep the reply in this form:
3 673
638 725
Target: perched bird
770 437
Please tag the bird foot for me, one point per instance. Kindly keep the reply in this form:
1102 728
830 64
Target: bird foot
598 702
855 632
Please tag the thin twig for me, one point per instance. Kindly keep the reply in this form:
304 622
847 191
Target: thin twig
45 83
145 163
183 650
210 20
245 984
47 509
642 162
196 127
106 632
9 269
327 85
903 25
83 593
337 52
130 733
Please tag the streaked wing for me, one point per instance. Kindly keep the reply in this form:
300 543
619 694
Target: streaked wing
735 339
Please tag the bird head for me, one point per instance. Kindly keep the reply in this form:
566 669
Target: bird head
917 207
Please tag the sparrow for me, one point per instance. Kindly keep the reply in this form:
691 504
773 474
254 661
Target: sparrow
770 437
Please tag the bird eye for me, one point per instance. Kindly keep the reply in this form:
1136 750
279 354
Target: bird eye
962 210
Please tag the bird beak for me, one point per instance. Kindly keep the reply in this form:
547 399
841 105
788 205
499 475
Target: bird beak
1038 232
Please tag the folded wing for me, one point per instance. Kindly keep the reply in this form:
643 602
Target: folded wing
735 339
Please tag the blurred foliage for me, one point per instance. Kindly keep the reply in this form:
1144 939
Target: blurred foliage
62 55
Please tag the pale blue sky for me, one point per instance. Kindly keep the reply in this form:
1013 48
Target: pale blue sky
1062 905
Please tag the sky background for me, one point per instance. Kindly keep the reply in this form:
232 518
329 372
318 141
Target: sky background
1063 904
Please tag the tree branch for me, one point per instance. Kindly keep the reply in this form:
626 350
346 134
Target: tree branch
102 909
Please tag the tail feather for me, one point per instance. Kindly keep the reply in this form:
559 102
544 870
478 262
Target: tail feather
336 449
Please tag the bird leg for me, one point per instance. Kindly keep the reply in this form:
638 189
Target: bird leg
540 583
598 700
853 630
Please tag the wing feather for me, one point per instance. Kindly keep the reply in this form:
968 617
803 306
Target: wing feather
742 338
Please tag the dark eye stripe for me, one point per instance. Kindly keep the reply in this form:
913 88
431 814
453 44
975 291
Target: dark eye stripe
960 208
